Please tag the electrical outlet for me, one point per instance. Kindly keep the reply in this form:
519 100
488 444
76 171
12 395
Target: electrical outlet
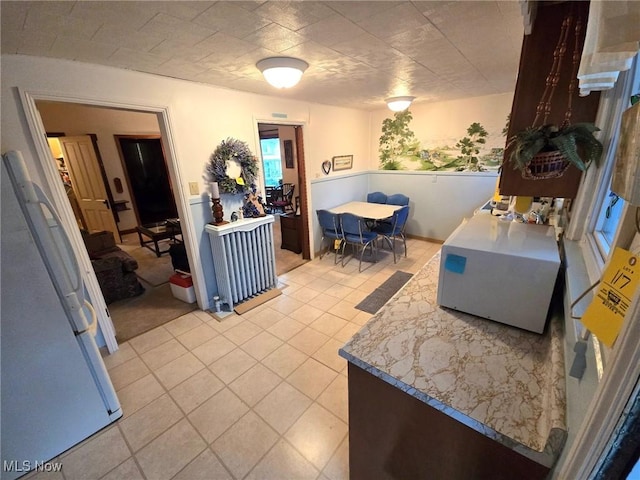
193 188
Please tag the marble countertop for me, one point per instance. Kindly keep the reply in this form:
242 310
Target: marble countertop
503 382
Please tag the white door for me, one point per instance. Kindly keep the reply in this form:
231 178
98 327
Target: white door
87 183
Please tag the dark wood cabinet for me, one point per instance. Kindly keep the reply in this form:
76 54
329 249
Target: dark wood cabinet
536 61
291 230
394 435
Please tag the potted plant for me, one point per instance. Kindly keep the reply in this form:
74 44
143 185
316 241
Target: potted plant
548 150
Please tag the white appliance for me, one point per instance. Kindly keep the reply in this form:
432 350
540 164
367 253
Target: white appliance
55 388
500 270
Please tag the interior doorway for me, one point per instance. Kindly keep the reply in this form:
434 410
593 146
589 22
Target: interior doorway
140 310
147 177
282 155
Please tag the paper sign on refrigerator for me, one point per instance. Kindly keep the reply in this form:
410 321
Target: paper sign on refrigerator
608 308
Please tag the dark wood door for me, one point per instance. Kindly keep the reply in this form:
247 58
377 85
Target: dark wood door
148 179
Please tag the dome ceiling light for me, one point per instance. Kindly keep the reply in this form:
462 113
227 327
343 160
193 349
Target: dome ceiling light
398 104
282 72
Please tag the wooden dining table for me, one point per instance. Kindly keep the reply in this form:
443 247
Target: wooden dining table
372 211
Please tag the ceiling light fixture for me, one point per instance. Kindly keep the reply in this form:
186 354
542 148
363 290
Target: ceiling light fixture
282 72
398 104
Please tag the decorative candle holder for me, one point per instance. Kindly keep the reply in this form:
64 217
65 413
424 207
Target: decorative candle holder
218 214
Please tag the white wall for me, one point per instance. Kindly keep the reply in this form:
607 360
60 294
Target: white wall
439 201
331 139
332 191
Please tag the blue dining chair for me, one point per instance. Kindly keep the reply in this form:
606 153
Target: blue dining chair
395 229
377 197
330 225
397 199
355 233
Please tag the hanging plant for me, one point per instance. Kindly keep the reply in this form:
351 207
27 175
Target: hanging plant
546 150
232 150
574 143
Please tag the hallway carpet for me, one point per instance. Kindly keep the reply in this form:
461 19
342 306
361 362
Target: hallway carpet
156 306
152 269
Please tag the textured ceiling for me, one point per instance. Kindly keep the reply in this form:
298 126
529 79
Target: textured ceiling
359 52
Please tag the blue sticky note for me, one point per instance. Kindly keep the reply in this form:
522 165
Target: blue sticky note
455 263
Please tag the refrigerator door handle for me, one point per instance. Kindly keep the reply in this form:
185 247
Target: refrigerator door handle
31 199
75 283
92 326
72 289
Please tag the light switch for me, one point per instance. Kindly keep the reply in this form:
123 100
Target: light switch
193 188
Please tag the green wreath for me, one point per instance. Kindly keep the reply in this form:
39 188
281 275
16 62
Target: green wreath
232 150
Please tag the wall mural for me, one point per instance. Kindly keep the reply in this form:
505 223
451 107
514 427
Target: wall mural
399 149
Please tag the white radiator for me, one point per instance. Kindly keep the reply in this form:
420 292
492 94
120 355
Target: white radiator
243 258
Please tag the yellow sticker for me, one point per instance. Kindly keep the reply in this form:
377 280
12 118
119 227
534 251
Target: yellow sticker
606 312
496 193
336 244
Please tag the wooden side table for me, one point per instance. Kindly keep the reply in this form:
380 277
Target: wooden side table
291 230
158 231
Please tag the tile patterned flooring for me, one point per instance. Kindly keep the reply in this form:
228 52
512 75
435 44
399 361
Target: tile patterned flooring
256 396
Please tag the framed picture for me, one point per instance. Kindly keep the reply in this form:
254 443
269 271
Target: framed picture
342 162
288 153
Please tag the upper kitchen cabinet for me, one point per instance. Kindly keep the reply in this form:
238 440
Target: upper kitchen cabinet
538 62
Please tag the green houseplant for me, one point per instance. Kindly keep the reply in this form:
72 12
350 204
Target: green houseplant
548 150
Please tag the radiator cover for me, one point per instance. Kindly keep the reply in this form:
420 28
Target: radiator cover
243 258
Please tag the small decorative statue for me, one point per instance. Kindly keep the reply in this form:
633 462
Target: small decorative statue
253 206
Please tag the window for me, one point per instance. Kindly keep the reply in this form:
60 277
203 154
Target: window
607 222
608 208
271 161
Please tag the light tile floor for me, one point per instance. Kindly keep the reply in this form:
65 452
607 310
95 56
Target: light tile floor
257 396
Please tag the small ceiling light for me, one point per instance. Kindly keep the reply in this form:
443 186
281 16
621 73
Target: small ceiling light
398 104
282 72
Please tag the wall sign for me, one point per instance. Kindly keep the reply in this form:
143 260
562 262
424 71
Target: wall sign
607 310
342 162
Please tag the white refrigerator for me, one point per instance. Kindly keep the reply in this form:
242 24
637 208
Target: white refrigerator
55 389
